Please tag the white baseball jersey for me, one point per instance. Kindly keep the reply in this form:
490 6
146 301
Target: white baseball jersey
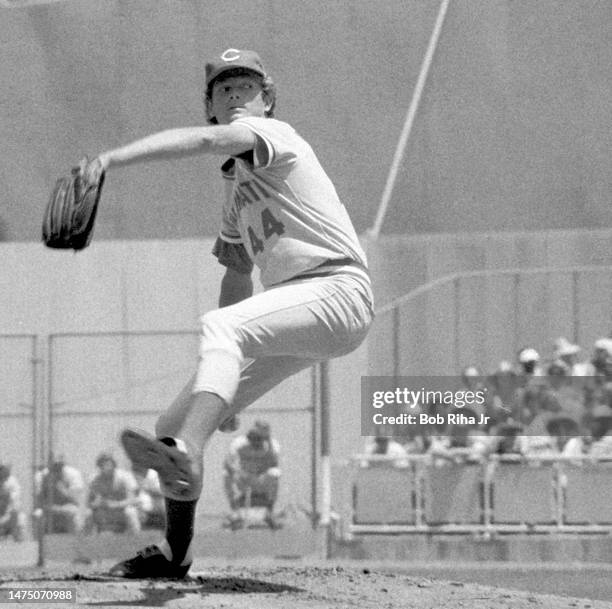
284 209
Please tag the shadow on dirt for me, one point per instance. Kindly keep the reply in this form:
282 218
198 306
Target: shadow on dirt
156 593
159 595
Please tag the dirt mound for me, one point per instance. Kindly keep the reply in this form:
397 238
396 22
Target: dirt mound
282 586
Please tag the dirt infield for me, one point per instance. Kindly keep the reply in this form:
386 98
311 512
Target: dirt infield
280 586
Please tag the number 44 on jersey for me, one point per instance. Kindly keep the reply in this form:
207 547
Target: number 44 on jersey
270 225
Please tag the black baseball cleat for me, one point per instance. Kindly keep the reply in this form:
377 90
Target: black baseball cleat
168 457
149 563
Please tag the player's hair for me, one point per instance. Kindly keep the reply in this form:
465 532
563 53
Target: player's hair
267 85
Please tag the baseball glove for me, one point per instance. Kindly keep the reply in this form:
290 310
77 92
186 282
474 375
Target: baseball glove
71 211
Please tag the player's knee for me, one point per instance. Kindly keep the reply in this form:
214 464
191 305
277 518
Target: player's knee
219 332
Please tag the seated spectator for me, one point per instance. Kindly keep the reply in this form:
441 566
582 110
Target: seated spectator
252 474
150 500
474 382
597 387
566 353
503 439
503 385
600 363
12 518
566 434
385 446
531 384
413 444
601 433
459 443
113 498
529 362
562 393
61 490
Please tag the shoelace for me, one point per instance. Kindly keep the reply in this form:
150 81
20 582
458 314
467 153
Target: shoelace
149 551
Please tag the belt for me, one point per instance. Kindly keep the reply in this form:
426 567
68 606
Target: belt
327 268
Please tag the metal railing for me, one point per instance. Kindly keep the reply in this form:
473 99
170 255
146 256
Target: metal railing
498 494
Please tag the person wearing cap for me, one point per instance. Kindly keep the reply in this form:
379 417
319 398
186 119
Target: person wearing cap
502 386
60 489
567 353
12 518
601 359
601 432
563 392
283 215
112 499
531 384
252 475
598 384
529 360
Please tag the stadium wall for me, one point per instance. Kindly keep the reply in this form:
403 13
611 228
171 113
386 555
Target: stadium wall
163 286
511 133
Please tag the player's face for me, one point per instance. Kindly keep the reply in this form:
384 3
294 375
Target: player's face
237 97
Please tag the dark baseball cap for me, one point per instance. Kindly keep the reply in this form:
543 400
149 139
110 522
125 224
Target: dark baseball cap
231 59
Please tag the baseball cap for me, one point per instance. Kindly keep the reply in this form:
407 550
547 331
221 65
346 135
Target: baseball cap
234 58
563 346
528 355
604 344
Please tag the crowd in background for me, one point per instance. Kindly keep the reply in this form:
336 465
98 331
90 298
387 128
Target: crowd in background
114 499
121 500
536 407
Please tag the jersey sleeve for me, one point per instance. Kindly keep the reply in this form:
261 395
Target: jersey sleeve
276 142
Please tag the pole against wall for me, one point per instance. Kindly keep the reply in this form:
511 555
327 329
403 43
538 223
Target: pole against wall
408 122
325 521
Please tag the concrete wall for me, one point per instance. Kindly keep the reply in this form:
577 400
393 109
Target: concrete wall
99 384
512 133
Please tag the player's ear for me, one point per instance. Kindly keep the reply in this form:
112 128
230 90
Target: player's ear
269 98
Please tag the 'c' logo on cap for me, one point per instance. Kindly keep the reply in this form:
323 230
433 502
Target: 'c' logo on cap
230 55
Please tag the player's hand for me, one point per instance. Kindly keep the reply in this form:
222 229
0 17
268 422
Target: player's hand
92 170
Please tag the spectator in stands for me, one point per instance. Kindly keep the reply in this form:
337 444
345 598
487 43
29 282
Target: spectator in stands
598 384
473 381
61 490
252 475
601 432
538 408
150 501
413 443
567 436
460 443
113 497
503 385
12 518
531 382
562 392
567 353
529 362
600 363
503 439
386 446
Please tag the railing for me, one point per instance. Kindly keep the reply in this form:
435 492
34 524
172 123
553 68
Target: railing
501 494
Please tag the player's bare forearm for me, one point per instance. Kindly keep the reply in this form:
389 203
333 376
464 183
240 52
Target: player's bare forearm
181 142
235 287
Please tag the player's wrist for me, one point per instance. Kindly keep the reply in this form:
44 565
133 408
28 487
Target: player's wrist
105 160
